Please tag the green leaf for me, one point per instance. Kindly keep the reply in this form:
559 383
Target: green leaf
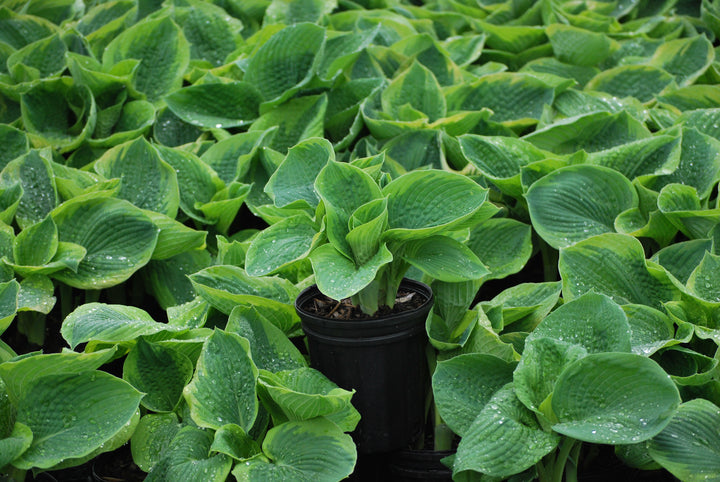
135 118
297 119
579 46
162 49
291 12
9 292
614 398
58 113
444 259
343 188
159 372
643 82
614 265
271 349
576 202
572 103
109 323
338 277
463 385
295 177
681 206
40 59
699 164
18 29
233 441
212 33
650 329
418 88
367 225
15 443
280 245
592 321
504 439
37 244
152 437
174 238
655 155
543 360
188 457
19 373
688 446
36 184
14 143
79 422
170 130
145 179
227 286
511 96
36 294
304 394
685 58
219 105
591 132
286 62
704 278
422 203
118 237
224 205
691 97
230 158
342 49
197 181
291 450
550 65
222 390
500 159
706 121
502 244
687 367
525 304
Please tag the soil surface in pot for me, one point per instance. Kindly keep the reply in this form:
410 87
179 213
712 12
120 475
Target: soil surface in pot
325 307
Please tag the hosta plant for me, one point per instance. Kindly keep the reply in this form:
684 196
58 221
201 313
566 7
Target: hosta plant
577 380
363 230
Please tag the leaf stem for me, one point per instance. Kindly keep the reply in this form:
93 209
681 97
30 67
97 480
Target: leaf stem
550 261
566 447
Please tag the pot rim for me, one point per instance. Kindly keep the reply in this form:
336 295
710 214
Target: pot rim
395 318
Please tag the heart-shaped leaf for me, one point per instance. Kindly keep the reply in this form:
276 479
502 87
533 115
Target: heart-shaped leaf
271 349
504 439
291 453
159 372
146 180
59 113
304 394
219 105
576 202
286 61
227 286
688 446
162 49
463 385
78 424
110 323
592 321
422 203
614 398
614 265
222 390
118 238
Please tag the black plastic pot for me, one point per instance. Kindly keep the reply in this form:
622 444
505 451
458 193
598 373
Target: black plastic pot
415 465
384 360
